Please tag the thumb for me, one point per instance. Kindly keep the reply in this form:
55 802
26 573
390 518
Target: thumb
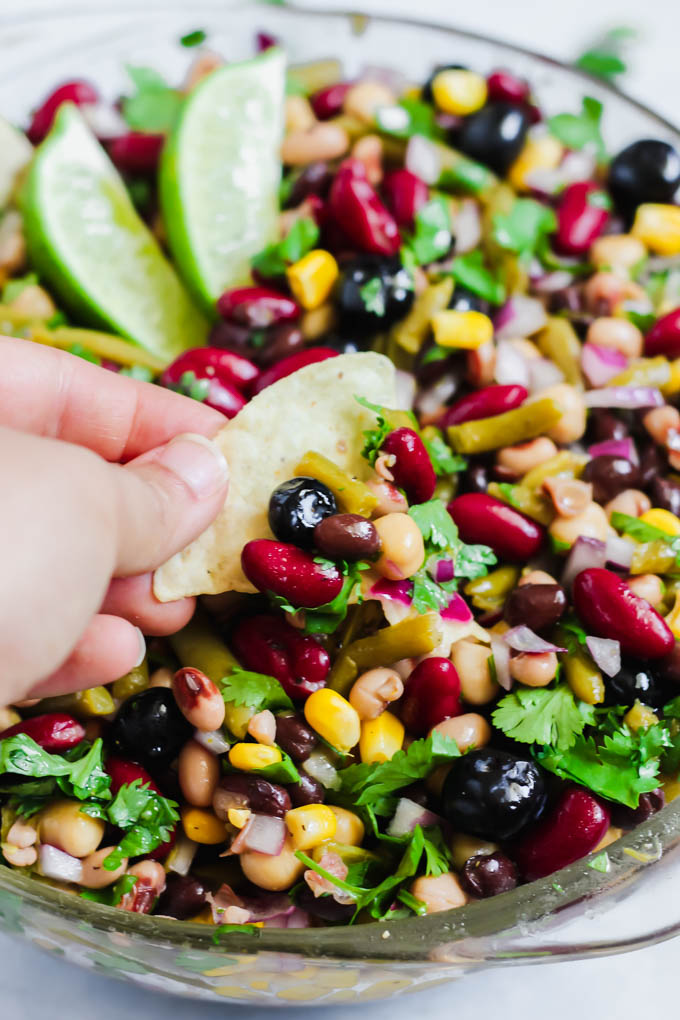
165 499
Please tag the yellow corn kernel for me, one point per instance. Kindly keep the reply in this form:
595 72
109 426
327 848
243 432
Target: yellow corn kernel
544 153
673 618
350 828
238 817
333 718
94 701
671 788
672 387
311 279
310 825
459 92
658 227
466 330
640 717
248 757
611 835
381 738
662 519
203 826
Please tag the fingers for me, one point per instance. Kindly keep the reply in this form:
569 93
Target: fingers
109 648
133 599
164 500
52 393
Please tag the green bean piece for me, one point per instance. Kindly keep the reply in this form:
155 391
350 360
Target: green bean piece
645 372
653 558
132 683
583 677
95 701
505 264
458 173
411 333
558 342
533 504
408 639
197 645
353 496
489 593
525 422
565 463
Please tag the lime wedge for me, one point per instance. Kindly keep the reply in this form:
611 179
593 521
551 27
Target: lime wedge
15 154
220 173
86 240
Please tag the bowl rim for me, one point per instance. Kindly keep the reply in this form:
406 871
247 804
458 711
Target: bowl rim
414 938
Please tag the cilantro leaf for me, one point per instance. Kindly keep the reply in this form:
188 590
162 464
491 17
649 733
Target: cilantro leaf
283 771
429 594
373 296
444 461
577 131
112 896
469 271
472 560
542 715
154 107
436 525
437 854
466 175
374 438
88 778
146 817
255 691
604 58
408 117
275 258
523 228
431 238
194 38
80 775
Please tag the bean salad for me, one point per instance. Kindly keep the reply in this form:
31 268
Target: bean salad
461 672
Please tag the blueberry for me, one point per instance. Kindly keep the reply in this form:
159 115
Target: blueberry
297 506
646 171
493 794
374 292
149 727
494 135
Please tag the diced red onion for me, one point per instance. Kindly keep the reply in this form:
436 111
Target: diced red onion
265 834
444 571
212 740
619 551
521 316
393 591
615 448
524 639
543 373
408 815
319 767
423 159
606 654
585 553
501 661
627 397
600 364
511 367
457 610
181 857
389 76
295 919
405 384
430 401
467 227
60 866
549 283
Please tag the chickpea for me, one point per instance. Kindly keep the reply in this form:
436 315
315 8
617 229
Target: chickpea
632 502
390 500
199 774
364 98
22 835
349 829
471 660
525 456
64 825
572 424
618 252
661 421
604 291
591 523
274 873
369 150
535 669
617 335
536 577
95 875
161 677
34 302
320 143
150 884
440 892
402 546
468 730
374 690
299 114
19 857
262 727
463 847
647 586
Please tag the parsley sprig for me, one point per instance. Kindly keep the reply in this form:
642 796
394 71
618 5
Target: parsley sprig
581 130
146 818
275 258
255 691
525 228
78 774
154 107
431 238
604 57
543 715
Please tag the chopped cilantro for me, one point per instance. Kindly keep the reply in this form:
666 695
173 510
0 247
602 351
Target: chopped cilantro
146 818
255 691
80 776
435 353
523 229
407 118
429 594
444 461
467 176
469 271
327 618
194 38
643 320
436 525
373 296
241 929
374 438
299 240
431 238
604 57
542 715
154 107
600 863
577 131
643 532
283 771
112 896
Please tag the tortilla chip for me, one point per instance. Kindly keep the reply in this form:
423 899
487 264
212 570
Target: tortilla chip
313 409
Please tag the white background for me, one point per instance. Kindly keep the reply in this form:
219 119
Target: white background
36 987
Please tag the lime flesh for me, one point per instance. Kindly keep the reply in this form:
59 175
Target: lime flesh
220 173
87 242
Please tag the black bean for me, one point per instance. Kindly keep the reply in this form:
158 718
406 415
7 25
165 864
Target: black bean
648 805
476 479
539 606
652 464
281 341
183 897
261 796
488 875
295 737
307 791
604 425
324 907
610 475
347 537
315 179
230 336
665 493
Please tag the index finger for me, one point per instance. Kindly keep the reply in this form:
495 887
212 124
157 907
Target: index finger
52 393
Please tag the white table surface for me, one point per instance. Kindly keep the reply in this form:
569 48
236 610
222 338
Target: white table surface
37 987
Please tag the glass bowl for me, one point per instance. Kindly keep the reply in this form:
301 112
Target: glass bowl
577 912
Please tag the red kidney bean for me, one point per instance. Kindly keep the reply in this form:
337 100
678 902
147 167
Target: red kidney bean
314 179
581 217
542 605
603 425
405 193
664 336
259 795
79 92
295 737
207 374
307 791
487 875
137 153
648 805
328 102
412 470
610 475
54 732
431 694
484 403
265 41
485 520
267 644
607 607
347 537
309 356
508 88
282 341
571 830
124 772
257 307
198 698
355 206
183 898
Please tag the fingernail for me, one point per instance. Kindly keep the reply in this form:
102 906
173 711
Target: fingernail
198 462
142 648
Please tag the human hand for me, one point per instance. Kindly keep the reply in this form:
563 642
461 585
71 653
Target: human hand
101 484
